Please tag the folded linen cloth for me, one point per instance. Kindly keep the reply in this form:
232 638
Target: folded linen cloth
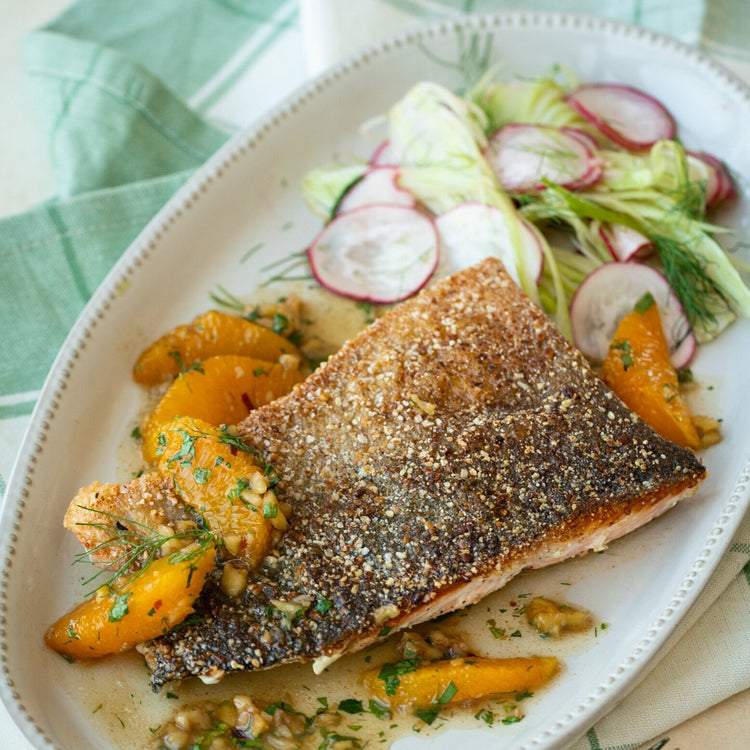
135 97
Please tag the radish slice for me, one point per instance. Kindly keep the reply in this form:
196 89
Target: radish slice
383 156
700 170
378 185
626 243
626 115
472 232
523 155
720 186
586 138
377 253
611 291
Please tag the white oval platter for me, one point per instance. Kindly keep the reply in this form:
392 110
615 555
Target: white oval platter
247 198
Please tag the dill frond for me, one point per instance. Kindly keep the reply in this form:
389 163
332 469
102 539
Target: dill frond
694 287
473 57
225 298
140 550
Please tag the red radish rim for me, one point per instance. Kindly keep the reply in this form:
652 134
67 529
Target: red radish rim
406 198
591 167
539 241
667 132
587 139
640 251
376 160
530 231
724 186
594 340
326 278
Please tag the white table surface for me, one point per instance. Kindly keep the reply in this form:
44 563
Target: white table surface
26 180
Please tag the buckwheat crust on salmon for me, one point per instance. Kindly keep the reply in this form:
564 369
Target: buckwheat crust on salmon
455 442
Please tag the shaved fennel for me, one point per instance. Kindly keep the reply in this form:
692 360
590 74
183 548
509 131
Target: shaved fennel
438 141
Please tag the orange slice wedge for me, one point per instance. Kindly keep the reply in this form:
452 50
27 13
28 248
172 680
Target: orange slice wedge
222 390
217 473
210 334
147 605
436 683
638 370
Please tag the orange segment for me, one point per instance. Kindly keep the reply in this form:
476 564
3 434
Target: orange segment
149 604
215 472
638 370
209 334
414 684
222 391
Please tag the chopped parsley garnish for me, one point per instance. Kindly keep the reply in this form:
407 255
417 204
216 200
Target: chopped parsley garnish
236 492
331 739
323 605
496 631
351 706
186 452
270 509
368 311
486 716
280 322
201 474
448 694
295 337
233 441
390 673
428 715
626 356
644 303
119 608
269 472
194 619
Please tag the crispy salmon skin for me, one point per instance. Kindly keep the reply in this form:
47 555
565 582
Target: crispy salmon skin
455 442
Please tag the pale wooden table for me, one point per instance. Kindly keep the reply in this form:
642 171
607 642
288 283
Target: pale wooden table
26 180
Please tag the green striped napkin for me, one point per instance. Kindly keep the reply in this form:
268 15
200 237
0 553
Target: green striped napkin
123 96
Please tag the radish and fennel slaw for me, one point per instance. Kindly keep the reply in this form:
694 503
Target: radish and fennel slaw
558 180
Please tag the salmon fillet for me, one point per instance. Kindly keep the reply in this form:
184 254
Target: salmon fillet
452 444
